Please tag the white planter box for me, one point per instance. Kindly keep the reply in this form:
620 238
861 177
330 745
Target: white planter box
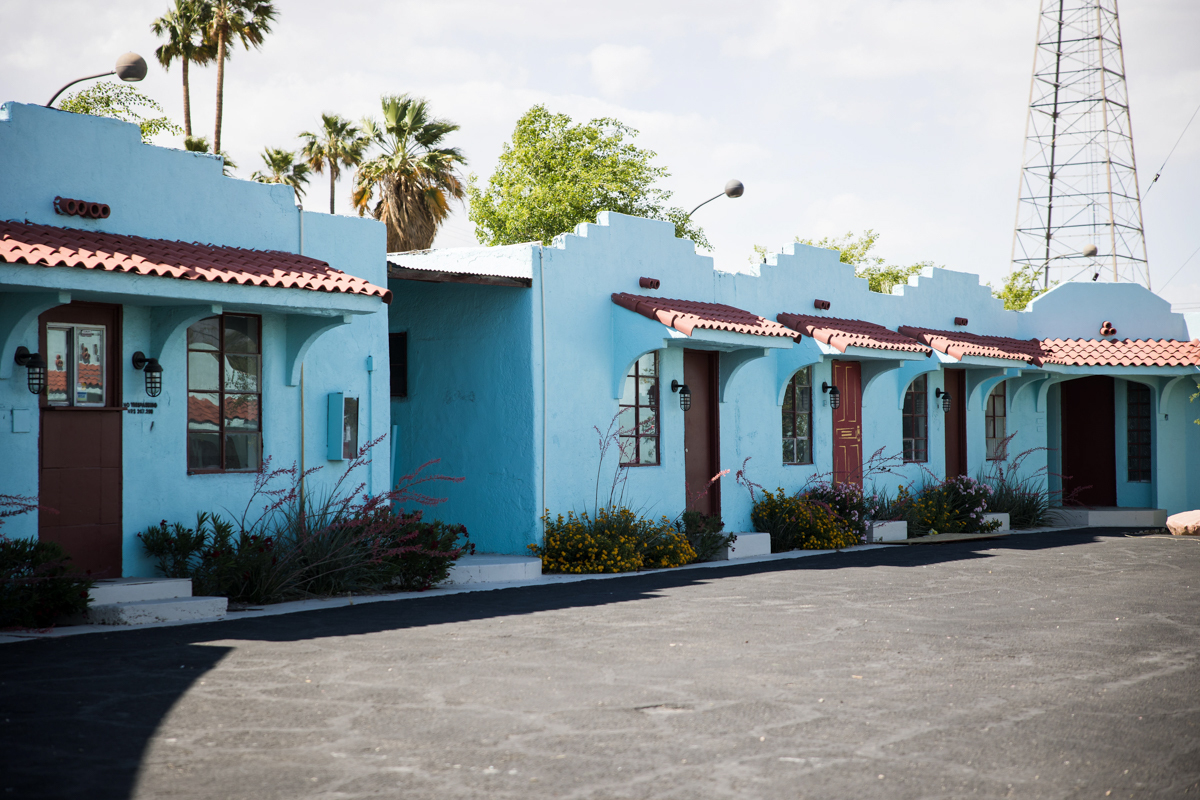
1003 517
889 531
746 545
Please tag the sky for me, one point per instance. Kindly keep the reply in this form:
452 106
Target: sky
903 116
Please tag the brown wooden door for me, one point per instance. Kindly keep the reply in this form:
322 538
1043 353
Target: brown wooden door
847 423
956 422
1089 449
702 431
80 440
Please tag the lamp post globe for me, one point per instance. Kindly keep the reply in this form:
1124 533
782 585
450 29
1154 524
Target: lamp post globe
130 68
734 188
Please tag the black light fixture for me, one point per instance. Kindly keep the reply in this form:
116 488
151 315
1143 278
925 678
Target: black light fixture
835 394
685 394
945 396
153 372
35 368
130 68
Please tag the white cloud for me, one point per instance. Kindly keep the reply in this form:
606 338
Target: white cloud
618 70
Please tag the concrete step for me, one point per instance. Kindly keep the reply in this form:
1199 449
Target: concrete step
1108 517
485 568
747 545
144 612
131 590
888 531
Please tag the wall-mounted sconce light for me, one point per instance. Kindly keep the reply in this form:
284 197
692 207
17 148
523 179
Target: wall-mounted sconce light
835 394
153 372
35 368
685 394
945 398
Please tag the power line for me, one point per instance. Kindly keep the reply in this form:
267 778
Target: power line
1181 266
1168 158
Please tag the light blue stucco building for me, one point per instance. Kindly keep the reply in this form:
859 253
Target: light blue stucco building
261 316
509 360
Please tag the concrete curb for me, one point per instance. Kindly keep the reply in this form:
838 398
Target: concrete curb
298 606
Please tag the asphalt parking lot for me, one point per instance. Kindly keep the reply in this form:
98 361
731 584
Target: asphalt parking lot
1056 665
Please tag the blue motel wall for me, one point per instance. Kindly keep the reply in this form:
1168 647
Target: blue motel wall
313 342
508 384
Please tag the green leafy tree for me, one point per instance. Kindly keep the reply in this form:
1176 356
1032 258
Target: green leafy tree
1020 288
282 167
554 175
120 101
199 144
414 174
338 144
183 27
856 251
229 22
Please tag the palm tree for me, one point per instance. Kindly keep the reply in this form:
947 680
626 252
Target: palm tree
183 26
282 167
199 144
247 21
415 176
339 144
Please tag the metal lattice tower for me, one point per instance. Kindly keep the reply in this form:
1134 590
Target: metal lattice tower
1079 211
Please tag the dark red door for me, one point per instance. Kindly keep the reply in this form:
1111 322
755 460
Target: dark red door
956 422
847 423
701 431
1089 449
80 444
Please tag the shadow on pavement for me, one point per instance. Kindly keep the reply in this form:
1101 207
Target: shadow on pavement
77 713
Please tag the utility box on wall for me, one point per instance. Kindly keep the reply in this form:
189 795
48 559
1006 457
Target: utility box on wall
343 427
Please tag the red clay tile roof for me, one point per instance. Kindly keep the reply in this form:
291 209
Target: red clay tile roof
961 343
843 333
687 315
1122 353
44 245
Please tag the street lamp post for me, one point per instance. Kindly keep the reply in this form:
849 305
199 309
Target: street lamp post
130 68
732 189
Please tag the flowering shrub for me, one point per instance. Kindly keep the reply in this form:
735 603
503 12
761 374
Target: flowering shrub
36 585
845 500
617 540
703 532
1024 498
304 544
955 505
799 523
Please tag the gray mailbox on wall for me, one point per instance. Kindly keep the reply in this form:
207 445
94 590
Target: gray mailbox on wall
343 427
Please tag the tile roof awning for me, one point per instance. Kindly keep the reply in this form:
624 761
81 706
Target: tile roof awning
959 344
686 316
843 333
48 246
1122 352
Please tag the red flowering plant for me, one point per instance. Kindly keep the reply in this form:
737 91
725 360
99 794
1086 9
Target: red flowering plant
300 543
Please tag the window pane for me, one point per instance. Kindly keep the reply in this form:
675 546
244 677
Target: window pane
89 369
919 403
919 452
789 402
918 384
241 334
205 334
804 397
908 450
649 446
627 421
789 425
242 451
906 427
919 428
803 451
789 451
202 412
629 392
204 451
646 390
241 373
204 372
804 377
628 446
648 364
802 425
241 412
1001 428
908 402
647 422
59 347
